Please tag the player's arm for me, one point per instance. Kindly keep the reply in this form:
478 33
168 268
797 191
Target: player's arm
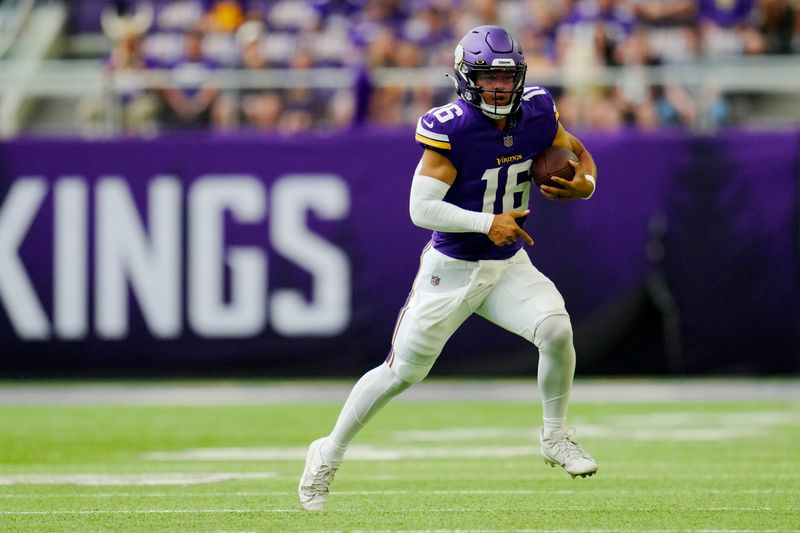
434 175
583 183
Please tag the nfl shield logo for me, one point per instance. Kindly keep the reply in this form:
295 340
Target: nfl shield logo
508 140
435 280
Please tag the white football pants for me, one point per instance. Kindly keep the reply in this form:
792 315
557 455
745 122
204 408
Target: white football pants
511 293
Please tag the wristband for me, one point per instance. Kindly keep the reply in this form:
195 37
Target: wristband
590 178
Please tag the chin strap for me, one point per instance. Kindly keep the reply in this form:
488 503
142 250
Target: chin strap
489 110
485 108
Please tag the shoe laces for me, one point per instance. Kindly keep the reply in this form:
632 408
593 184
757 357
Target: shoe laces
321 479
565 445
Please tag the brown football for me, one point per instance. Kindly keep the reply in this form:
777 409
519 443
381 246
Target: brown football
552 161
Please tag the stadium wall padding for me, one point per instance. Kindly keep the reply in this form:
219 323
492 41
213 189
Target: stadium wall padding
266 256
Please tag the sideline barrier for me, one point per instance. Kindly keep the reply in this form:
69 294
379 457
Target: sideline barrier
273 256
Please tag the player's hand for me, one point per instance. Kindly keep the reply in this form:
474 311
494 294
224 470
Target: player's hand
505 230
578 187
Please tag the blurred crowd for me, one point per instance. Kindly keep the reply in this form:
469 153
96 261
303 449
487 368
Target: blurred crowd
191 39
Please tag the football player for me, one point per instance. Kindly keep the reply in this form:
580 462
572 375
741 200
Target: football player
472 187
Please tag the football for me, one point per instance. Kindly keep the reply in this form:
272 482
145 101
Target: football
552 161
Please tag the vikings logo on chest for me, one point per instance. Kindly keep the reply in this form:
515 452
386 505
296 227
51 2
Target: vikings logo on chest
508 159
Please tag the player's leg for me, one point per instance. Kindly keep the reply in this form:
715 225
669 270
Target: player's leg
369 395
439 303
553 338
527 303
434 311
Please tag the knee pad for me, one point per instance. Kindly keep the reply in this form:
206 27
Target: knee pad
393 382
410 372
555 332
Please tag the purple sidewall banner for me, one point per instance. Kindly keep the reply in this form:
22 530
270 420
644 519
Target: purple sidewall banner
272 256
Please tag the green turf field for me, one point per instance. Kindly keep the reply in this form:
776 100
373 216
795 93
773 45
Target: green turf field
680 467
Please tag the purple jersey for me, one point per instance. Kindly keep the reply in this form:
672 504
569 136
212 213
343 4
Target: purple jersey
493 165
728 13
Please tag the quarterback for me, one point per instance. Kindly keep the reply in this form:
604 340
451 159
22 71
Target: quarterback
472 188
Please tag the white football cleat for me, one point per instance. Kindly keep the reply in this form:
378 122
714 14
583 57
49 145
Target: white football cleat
316 480
561 450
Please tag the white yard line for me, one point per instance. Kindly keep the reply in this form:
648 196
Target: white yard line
593 530
144 511
561 530
424 510
161 478
178 479
575 530
581 530
509 492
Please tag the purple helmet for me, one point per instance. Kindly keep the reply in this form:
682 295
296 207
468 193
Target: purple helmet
489 48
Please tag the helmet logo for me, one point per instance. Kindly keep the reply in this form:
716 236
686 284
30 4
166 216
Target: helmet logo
459 54
503 62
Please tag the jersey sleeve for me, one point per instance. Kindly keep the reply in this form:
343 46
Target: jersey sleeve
543 105
541 99
433 133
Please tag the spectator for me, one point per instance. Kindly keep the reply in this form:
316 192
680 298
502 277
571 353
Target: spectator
137 105
538 32
634 95
133 107
250 106
338 10
413 102
223 16
383 100
180 16
607 22
303 107
430 28
188 102
479 12
728 28
377 17
571 40
779 22
293 16
664 13
670 28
